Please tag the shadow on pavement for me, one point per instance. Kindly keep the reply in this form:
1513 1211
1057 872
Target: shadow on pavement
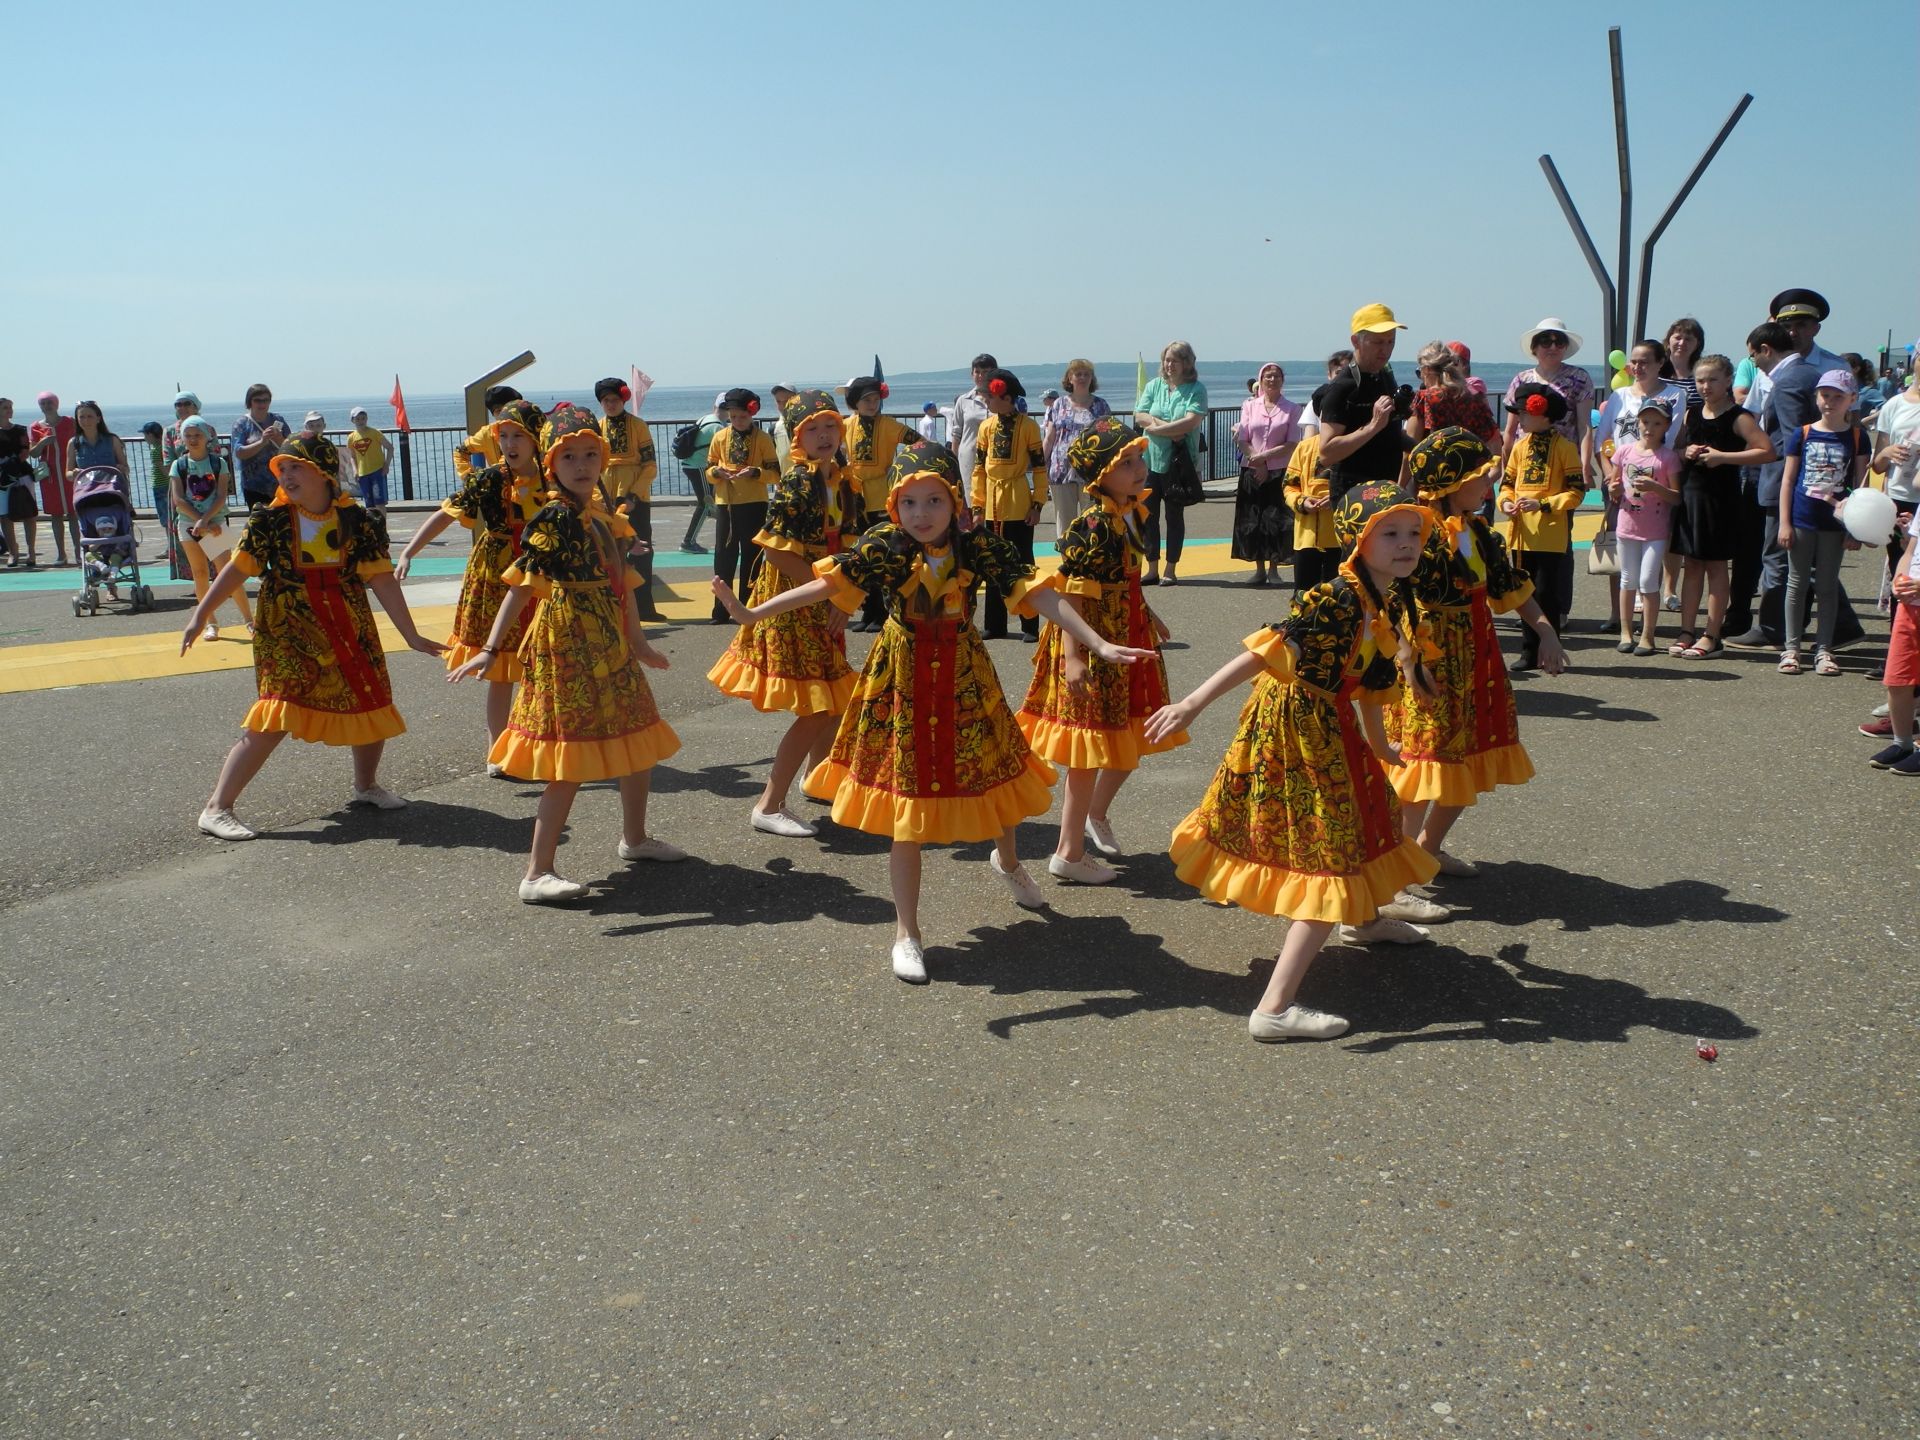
697 893
1554 704
1058 952
1519 892
432 824
722 782
1437 993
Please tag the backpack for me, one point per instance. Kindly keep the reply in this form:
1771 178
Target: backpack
685 440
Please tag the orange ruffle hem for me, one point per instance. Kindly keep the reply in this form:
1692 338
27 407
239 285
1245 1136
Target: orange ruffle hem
1447 783
1350 899
735 677
929 819
1083 748
325 727
525 757
506 666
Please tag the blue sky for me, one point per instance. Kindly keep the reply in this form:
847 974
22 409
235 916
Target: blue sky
323 196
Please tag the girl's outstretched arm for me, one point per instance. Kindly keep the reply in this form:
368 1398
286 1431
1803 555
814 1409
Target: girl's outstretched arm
814 590
503 623
1052 605
1179 715
230 579
429 528
386 589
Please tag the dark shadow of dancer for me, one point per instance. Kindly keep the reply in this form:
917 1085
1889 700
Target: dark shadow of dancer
723 782
1437 993
696 893
1520 893
427 824
1090 953
1556 704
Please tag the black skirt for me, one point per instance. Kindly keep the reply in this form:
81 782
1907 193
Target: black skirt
19 501
1262 520
1706 521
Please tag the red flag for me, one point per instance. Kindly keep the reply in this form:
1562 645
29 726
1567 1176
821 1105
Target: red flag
640 382
399 403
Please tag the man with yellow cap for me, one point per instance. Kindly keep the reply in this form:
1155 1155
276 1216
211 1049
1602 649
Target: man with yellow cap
1361 436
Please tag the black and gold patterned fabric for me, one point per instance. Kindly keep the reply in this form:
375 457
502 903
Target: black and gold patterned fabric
1093 451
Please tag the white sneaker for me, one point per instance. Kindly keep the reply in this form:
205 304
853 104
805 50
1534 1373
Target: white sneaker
1026 894
1295 1022
652 848
1455 866
1409 906
547 888
782 822
1880 710
1672 602
1394 932
379 797
1100 832
497 772
222 826
1084 871
909 961
212 632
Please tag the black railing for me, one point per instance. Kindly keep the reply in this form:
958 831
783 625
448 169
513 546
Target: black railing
422 465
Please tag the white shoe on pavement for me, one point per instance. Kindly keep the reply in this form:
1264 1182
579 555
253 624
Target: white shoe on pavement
1296 1022
379 797
652 848
1026 894
547 888
1455 866
1084 871
222 826
497 772
1393 932
212 632
1100 832
782 822
1409 906
909 961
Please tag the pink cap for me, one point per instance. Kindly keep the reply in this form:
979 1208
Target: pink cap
44 396
1459 348
1841 380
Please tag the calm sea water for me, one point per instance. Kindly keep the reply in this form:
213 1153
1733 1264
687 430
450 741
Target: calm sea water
1225 382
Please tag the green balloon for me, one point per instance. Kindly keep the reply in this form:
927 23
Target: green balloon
1617 359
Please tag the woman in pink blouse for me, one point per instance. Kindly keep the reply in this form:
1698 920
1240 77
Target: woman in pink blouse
1269 428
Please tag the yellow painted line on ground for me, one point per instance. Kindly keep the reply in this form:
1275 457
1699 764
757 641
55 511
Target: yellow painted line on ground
155 654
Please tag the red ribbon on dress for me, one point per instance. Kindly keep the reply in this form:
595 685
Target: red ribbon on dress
329 602
1145 693
934 686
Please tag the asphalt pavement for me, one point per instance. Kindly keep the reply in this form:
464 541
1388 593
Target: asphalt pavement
327 1135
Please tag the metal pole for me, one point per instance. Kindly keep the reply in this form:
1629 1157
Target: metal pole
1666 219
477 411
1617 319
1579 227
406 466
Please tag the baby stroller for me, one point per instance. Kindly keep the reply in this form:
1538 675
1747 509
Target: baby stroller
109 557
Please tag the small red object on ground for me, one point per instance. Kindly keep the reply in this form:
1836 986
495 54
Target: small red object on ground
1705 1051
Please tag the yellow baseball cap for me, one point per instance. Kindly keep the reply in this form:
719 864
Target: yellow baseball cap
1375 317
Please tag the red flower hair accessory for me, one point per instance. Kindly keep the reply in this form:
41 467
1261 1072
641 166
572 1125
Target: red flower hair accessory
626 391
1536 405
998 388
884 391
753 407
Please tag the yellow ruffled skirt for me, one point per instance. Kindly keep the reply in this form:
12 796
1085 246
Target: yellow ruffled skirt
318 664
1102 727
1299 820
793 661
1463 742
928 751
481 593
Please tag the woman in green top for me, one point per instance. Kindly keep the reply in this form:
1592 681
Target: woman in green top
1169 412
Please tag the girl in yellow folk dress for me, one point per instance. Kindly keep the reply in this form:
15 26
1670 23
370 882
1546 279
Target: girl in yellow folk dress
1463 739
797 660
1299 820
495 503
584 711
1083 713
316 655
928 753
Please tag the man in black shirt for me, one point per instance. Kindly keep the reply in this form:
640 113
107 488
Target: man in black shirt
1360 436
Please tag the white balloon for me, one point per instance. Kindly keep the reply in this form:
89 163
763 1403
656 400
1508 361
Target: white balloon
1869 516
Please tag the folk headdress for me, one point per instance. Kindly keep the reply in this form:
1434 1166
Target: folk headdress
1096 449
315 450
923 457
522 415
858 389
1534 398
568 423
1356 515
1444 460
805 407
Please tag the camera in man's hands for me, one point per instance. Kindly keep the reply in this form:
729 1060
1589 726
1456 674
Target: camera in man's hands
1403 402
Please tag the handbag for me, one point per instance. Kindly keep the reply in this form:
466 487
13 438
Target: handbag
1183 479
1603 556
